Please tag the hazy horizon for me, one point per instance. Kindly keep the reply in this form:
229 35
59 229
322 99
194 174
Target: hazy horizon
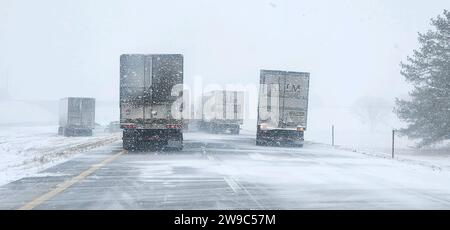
54 49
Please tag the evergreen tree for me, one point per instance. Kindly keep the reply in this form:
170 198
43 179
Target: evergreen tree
427 111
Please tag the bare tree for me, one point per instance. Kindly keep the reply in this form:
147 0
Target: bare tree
372 110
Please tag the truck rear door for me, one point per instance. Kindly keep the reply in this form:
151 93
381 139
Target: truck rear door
87 112
74 112
269 98
133 89
294 100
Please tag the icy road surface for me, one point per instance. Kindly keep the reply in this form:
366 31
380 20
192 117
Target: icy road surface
230 172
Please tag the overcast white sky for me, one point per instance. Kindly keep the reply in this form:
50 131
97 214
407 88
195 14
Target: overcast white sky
53 49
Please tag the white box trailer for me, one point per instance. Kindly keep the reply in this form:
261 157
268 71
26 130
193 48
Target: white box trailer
76 116
282 107
151 100
222 111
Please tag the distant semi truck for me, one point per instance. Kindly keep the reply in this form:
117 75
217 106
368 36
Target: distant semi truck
151 100
222 111
76 116
282 107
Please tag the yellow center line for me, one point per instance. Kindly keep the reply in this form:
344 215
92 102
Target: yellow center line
66 184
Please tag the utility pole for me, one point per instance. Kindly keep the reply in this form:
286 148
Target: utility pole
393 143
332 135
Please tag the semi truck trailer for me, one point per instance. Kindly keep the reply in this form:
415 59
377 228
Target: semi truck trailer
222 111
76 116
282 107
151 91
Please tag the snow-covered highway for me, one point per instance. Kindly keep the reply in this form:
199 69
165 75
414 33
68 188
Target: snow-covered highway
230 172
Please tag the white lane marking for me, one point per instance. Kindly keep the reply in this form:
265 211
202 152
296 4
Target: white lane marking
252 197
232 183
236 186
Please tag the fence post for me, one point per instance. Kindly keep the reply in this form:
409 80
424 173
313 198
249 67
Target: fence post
393 143
332 135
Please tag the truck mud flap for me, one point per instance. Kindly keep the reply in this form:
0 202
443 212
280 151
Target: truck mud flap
135 139
288 138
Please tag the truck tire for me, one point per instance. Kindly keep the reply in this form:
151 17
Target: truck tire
235 130
180 138
178 149
128 144
88 132
67 132
260 142
176 136
213 129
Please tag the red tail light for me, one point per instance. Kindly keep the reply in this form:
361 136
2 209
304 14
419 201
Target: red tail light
131 126
170 126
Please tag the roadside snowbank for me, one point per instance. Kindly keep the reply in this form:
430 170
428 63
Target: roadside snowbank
437 159
27 150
